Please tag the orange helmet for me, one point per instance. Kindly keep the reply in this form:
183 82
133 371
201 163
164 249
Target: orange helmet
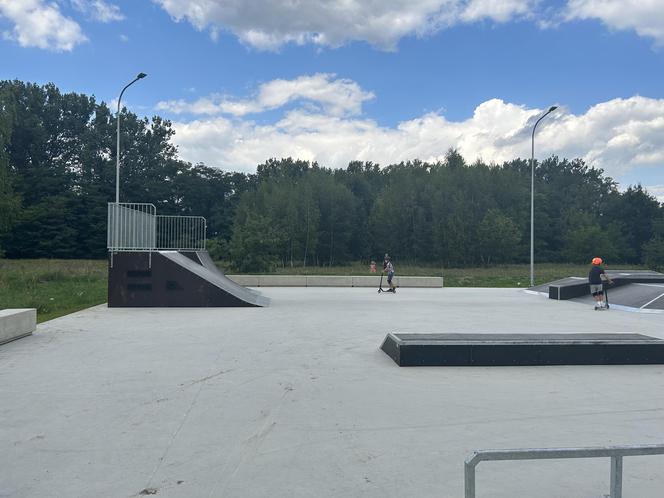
597 261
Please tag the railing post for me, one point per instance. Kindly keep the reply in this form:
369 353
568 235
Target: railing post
616 476
469 480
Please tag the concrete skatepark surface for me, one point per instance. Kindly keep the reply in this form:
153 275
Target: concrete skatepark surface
297 400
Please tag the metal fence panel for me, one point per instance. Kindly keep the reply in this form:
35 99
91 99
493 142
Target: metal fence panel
181 233
131 227
137 227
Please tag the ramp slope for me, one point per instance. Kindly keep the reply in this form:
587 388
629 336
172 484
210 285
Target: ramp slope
632 297
632 290
208 270
205 260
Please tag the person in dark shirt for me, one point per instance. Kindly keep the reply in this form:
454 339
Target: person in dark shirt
596 279
388 268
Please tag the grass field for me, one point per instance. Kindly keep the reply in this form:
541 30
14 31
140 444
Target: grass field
56 287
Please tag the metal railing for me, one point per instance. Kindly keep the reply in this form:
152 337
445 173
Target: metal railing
180 233
138 227
131 226
616 453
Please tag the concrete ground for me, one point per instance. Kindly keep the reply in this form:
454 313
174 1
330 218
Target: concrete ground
297 400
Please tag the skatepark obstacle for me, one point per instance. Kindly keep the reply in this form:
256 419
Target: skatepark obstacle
17 323
411 350
161 261
632 290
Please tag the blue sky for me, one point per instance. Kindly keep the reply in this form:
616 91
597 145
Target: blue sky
385 80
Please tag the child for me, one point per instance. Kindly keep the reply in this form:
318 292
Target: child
596 278
389 268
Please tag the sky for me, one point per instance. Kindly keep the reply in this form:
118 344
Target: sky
377 80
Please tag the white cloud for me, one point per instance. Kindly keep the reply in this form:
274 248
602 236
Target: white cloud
334 96
617 136
657 191
99 10
267 25
497 10
41 25
646 17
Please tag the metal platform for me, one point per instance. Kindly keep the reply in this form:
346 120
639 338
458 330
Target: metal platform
522 349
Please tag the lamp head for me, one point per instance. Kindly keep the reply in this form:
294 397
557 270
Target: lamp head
551 109
141 76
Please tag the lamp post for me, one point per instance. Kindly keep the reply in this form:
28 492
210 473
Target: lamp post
532 199
140 76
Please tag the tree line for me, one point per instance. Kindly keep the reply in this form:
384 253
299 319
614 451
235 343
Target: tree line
57 174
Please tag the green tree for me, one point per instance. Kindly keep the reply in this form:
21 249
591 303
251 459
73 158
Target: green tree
498 238
635 209
253 244
653 250
9 201
587 240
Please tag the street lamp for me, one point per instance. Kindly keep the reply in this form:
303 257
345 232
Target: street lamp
140 76
532 200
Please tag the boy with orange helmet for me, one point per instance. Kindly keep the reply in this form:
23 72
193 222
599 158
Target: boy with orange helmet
596 279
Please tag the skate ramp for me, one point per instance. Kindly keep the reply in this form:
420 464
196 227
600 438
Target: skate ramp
632 290
203 257
209 271
172 279
632 297
544 288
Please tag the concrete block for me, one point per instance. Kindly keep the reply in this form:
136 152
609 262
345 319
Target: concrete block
283 281
329 281
367 281
431 282
17 323
246 280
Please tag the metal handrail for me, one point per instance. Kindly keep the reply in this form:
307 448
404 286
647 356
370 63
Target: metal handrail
131 226
616 453
137 227
181 233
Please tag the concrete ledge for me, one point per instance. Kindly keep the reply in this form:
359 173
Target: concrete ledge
420 281
17 323
246 280
283 281
504 350
368 281
331 281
